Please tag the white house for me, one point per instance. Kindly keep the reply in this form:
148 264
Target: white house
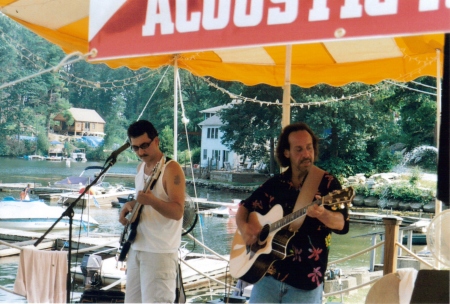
212 149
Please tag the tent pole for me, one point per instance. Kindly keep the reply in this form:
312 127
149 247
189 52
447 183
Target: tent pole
438 203
443 184
175 110
286 115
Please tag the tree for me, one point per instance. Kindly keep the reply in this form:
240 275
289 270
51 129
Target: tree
249 128
348 129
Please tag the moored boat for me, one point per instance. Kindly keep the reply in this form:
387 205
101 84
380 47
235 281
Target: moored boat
99 195
35 215
78 155
78 182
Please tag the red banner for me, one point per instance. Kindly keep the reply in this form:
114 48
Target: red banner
148 27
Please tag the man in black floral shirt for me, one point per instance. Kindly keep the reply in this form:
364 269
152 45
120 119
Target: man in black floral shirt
298 278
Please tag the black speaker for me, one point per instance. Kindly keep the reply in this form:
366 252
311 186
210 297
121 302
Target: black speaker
102 296
431 286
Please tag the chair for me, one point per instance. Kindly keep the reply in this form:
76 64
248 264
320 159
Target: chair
385 290
394 287
249 167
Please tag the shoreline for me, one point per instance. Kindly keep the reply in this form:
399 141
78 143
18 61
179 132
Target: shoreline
222 185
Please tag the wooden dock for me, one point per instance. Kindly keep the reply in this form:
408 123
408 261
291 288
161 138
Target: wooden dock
56 241
35 188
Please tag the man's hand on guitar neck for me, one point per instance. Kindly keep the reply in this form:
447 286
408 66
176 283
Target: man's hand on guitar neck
333 220
127 208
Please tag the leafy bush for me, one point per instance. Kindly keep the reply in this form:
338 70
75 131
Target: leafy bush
183 157
403 192
361 189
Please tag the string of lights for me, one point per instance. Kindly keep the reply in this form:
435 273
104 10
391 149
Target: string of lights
294 103
408 88
39 63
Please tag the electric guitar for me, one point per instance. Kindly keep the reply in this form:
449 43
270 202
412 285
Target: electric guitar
129 232
251 262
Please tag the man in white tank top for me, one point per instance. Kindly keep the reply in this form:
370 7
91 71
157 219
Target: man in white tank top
152 260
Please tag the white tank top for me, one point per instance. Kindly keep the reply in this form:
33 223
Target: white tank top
155 232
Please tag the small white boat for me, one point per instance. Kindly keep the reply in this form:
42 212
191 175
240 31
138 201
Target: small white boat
99 195
34 157
35 215
78 155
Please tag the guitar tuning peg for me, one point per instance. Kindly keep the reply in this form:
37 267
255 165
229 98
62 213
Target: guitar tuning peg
334 208
342 205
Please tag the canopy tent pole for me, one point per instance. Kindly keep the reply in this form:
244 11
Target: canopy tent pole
438 203
444 136
286 114
175 109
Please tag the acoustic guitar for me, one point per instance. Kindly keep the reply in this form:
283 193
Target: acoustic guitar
251 262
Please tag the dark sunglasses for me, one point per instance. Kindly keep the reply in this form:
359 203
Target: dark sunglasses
142 146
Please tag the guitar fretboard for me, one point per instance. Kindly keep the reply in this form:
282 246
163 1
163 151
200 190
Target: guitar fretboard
338 197
288 219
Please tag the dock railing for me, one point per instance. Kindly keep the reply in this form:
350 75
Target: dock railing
391 240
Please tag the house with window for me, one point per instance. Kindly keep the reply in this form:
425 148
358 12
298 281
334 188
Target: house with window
86 123
213 152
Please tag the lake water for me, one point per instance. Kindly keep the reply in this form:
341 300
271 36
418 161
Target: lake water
215 232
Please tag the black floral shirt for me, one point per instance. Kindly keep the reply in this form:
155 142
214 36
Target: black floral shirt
307 259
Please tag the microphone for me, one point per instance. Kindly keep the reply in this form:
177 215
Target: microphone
120 150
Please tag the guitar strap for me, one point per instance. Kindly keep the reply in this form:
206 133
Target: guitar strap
306 195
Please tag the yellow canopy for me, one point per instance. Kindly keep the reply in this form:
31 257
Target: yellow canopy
66 23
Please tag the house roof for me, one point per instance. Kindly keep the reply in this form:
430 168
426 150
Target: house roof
83 115
211 121
86 115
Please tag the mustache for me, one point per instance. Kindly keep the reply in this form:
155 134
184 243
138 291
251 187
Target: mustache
306 160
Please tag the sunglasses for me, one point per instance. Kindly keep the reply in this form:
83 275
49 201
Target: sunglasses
142 146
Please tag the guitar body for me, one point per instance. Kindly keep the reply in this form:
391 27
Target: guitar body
250 263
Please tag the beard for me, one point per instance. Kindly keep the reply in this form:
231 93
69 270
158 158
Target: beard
304 165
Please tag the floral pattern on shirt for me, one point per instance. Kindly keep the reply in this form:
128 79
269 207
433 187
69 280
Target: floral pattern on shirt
308 249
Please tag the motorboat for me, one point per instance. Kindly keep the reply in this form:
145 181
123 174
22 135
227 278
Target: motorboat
81 181
34 157
54 156
78 155
35 215
101 194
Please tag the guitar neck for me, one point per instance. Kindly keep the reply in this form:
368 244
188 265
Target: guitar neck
289 218
148 185
337 197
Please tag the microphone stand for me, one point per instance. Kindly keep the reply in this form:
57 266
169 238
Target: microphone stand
69 212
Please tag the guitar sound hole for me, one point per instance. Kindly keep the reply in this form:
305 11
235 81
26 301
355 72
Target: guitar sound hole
264 233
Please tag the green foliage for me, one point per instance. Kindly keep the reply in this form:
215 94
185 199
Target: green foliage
196 154
249 127
361 189
184 158
403 191
166 141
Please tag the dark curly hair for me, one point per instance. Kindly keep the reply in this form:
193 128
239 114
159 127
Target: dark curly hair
283 142
140 127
